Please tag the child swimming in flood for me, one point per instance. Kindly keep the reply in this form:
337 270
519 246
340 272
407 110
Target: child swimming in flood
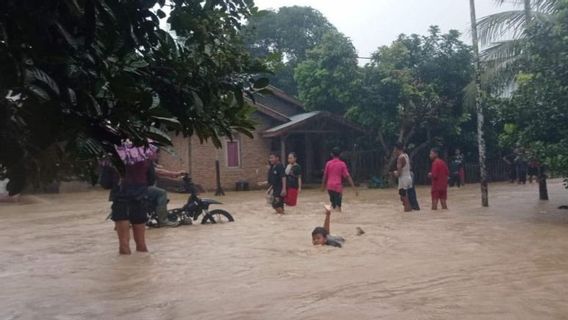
321 235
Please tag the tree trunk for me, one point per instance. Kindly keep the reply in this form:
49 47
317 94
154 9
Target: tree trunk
479 107
542 187
528 13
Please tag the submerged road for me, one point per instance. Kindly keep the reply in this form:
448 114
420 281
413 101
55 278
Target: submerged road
58 260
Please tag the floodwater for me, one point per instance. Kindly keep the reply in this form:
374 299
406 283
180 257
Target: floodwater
58 260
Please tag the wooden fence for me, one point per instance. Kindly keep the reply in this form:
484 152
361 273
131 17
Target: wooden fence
367 164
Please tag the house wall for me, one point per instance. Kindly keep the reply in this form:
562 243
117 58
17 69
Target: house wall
253 159
181 159
199 159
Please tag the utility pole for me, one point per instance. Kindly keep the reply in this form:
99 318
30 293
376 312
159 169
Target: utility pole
479 108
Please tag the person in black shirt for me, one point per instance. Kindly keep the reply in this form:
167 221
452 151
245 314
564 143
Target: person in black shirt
277 182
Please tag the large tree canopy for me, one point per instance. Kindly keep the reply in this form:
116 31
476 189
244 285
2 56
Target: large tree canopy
286 36
328 77
537 113
77 76
412 90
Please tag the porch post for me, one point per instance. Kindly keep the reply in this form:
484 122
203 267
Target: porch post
283 149
308 174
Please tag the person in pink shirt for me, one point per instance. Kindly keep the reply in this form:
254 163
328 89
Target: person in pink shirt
333 175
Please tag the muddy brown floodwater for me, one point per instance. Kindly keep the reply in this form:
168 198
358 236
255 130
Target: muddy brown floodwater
58 260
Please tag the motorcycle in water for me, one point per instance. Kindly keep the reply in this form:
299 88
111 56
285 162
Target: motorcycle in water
192 210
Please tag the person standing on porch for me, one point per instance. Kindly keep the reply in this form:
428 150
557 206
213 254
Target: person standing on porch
334 173
293 180
277 182
403 173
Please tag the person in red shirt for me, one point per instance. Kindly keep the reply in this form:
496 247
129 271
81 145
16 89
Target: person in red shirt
439 175
333 175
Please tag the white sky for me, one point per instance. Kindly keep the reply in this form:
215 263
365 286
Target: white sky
373 23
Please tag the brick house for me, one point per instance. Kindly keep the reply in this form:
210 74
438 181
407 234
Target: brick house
283 125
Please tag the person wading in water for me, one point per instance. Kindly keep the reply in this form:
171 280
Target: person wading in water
403 174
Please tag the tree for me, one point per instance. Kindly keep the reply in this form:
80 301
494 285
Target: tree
537 113
479 108
412 91
327 78
77 77
284 37
504 34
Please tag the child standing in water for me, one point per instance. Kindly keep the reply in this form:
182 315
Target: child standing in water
334 173
439 175
321 235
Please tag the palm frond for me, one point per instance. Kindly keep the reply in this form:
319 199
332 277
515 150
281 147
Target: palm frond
514 2
502 50
499 75
546 6
509 24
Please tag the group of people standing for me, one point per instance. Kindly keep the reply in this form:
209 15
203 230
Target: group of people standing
285 183
522 165
439 175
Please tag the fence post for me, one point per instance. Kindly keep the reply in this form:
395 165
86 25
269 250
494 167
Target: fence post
542 187
219 191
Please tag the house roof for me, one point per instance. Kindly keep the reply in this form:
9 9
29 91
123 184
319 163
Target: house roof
300 120
279 102
293 117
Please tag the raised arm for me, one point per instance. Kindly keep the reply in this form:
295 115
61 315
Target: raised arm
326 222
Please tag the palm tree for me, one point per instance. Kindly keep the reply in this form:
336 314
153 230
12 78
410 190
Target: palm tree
504 34
479 107
502 58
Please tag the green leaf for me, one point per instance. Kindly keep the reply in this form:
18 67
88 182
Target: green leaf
95 105
158 136
173 123
155 101
39 92
67 36
197 102
72 96
35 75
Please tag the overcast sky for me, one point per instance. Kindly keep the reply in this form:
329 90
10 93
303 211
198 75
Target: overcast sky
373 23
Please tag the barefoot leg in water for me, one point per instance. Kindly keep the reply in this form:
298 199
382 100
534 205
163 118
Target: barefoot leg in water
139 231
123 231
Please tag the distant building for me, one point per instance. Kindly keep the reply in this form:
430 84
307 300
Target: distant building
283 126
